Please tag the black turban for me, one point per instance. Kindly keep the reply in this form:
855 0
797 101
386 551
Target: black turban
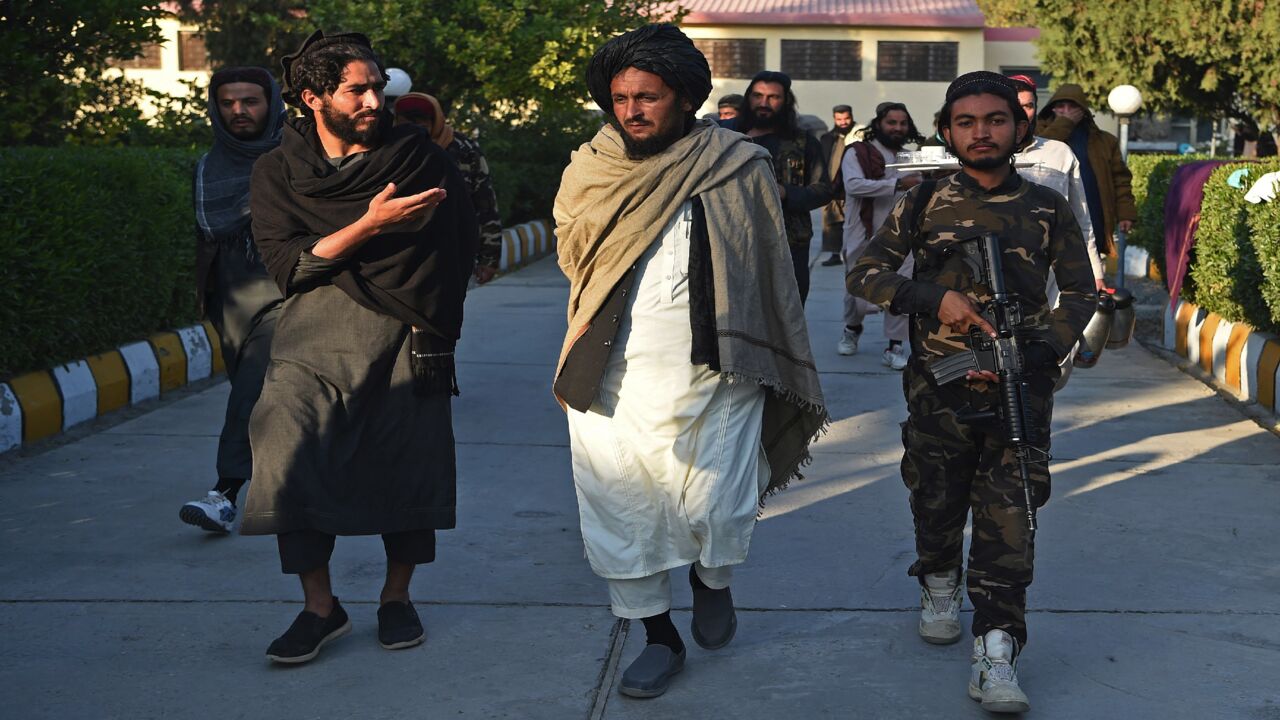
660 49
316 41
981 76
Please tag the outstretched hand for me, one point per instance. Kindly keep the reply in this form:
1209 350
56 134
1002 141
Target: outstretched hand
386 211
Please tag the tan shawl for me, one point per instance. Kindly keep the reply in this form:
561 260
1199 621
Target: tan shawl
610 209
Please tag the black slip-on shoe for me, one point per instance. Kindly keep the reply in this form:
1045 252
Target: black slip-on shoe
308 633
832 261
649 675
399 626
714 620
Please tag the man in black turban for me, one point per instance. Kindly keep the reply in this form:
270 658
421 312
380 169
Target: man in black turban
770 119
686 373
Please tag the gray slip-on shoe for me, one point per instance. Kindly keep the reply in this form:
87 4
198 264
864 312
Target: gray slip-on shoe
714 620
650 674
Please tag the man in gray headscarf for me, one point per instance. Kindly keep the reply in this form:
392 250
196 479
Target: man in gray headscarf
234 290
686 372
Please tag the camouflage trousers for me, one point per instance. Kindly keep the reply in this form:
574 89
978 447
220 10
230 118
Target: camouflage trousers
954 468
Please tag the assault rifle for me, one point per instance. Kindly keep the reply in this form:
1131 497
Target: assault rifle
1000 355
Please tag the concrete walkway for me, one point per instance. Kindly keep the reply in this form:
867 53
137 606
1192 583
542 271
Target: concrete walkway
1156 591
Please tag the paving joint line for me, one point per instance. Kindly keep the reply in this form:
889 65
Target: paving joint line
604 681
605 606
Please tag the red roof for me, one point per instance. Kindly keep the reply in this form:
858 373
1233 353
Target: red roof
876 13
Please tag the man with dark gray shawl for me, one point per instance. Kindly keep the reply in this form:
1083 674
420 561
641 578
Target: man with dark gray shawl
367 230
686 372
234 290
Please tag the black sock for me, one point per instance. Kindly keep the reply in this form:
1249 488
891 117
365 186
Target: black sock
856 329
659 630
895 344
230 487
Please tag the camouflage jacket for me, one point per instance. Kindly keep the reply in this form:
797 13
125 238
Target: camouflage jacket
466 154
1038 234
800 166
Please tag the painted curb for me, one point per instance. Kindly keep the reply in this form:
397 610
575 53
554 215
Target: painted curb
1244 360
40 404
525 243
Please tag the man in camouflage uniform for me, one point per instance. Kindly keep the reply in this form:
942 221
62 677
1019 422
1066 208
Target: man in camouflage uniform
424 111
954 464
799 164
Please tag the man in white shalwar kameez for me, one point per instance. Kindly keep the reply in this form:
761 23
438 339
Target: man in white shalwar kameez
686 374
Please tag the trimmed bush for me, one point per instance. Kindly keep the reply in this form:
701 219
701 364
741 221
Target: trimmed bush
1227 276
1151 177
526 162
98 250
1263 222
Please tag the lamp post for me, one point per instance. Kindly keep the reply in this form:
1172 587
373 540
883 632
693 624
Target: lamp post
1124 101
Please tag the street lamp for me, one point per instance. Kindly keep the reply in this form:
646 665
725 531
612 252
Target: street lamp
1124 101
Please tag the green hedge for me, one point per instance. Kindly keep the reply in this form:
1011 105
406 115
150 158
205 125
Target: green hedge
97 250
526 161
1227 275
1151 177
1263 221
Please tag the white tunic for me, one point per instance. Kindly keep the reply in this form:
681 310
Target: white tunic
1056 168
667 463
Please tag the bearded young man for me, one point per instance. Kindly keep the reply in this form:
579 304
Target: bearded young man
686 372
367 231
834 142
871 190
233 288
954 462
770 119
1055 166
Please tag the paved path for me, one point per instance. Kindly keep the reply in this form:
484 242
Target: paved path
1156 592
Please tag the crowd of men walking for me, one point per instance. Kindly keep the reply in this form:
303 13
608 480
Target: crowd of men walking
336 246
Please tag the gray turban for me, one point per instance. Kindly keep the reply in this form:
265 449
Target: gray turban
660 49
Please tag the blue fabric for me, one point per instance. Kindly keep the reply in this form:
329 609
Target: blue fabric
1079 142
1237 179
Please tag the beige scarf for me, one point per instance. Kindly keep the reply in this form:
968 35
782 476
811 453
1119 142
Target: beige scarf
610 209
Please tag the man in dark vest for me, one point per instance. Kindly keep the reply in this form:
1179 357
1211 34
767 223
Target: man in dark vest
834 142
233 288
770 119
871 190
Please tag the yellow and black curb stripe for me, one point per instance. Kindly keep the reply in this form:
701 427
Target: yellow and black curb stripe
40 404
525 243
1138 263
1243 359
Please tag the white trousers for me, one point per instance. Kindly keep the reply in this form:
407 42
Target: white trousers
644 597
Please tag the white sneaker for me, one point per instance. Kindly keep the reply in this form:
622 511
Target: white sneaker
895 360
214 512
940 600
848 344
994 679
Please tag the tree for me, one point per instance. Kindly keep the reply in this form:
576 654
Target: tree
1214 58
56 54
248 32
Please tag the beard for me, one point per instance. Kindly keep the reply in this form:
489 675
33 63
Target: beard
894 141
768 120
639 149
843 130
985 163
347 127
251 131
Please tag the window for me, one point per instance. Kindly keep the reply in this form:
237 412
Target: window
149 59
192 54
822 59
733 58
917 61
